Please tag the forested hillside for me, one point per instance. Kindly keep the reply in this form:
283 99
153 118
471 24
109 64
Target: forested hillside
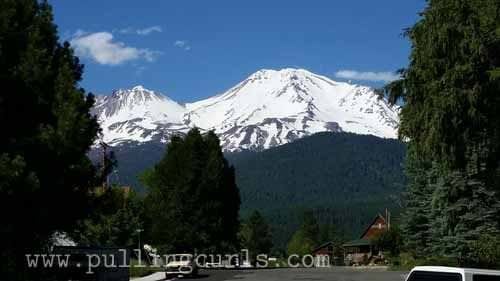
344 178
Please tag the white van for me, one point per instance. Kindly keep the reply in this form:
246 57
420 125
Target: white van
441 273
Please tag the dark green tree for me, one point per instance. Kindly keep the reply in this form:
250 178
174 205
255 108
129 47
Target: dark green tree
450 120
390 241
193 198
47 130
487 251
256 236
416 226
117 214
306 238
328 173
310 226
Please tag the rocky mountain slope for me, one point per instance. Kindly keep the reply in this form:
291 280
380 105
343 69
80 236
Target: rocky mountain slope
267 109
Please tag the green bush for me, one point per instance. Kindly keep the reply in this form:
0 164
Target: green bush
486 251
136 271
390 241
407 261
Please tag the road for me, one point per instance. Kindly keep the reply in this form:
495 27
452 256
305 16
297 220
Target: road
302 274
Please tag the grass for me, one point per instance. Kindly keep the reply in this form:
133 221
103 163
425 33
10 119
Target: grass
136 271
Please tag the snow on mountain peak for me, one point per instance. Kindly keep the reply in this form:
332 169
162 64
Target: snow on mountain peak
137 94
136 114
268 108
139 88
273 107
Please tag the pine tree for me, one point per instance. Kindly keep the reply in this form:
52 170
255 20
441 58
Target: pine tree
47 129
193 198
450 120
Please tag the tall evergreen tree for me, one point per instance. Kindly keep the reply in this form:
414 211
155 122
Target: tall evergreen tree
450 120
47 129
256 236
416 222
193 198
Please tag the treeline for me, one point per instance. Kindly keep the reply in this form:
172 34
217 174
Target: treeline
191 204
117 215
256 236
450 92
344 179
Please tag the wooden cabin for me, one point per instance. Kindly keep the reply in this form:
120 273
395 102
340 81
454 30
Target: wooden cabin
323 254
362 250
327 254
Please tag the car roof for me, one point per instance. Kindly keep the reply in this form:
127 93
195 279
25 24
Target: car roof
457 270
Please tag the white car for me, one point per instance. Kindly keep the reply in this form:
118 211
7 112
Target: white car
180 265
441 273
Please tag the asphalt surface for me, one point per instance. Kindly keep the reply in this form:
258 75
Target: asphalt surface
302 274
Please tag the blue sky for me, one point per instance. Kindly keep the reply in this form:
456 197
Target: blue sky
192 49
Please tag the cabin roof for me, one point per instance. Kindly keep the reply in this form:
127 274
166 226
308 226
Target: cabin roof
326 244
370 225
362 241
357 243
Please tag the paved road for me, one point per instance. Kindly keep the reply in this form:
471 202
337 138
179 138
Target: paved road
313 274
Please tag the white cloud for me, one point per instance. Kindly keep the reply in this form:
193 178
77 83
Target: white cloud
79 33
148 30
127 30
367 76
141 31
182 44
101 47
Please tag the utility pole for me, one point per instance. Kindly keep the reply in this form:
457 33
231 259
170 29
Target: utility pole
139 230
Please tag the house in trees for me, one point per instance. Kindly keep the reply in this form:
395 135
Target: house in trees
326 254
323 254
362 250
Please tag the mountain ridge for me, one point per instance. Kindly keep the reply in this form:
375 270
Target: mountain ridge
267 109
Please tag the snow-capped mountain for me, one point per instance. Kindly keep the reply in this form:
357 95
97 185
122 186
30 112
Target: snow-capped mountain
138 115
267 109
271 108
